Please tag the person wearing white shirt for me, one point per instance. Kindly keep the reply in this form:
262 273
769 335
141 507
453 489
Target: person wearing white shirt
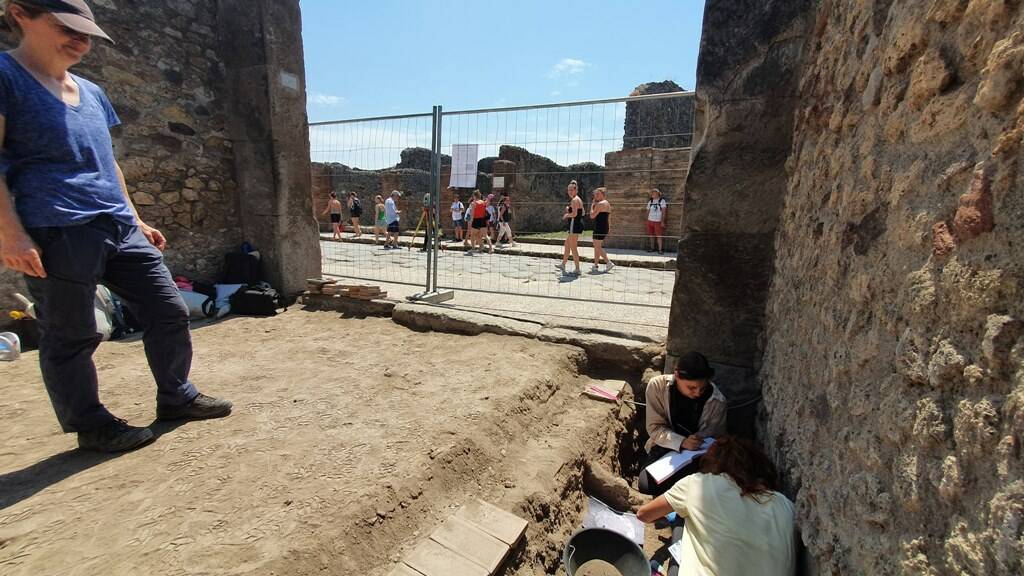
458 210
392 215
657 212
736 520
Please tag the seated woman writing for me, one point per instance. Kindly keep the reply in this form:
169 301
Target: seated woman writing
683 408
736 521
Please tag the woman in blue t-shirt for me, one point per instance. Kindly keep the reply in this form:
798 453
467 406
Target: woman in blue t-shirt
67 224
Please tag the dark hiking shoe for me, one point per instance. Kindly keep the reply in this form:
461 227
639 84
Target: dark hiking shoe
117 436
201 408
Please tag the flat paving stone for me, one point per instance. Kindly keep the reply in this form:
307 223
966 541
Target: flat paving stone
472 542
503 525
433 559
511 283
404 570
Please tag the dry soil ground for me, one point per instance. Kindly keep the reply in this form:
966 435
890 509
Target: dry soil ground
350 441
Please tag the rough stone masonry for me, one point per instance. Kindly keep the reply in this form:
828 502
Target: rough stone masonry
871 268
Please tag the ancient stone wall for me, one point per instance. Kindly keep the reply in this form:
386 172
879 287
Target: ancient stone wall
662 123
890 340
539 194
535 183
894 371
165 79
629 177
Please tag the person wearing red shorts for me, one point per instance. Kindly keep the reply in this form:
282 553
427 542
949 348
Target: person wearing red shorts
657 212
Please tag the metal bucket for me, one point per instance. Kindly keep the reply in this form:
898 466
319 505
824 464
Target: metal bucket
600 544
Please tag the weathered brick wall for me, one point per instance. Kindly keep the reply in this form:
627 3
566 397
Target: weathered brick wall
629 177
166 81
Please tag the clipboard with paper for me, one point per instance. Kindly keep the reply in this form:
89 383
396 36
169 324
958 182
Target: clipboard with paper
664 467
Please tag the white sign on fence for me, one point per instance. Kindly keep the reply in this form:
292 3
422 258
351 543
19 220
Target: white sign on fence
464 159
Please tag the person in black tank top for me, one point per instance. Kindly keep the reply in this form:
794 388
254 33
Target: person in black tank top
574 216
600 213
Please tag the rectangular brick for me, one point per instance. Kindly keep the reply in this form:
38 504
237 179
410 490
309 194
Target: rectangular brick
404 570
504 526
470 541
432 559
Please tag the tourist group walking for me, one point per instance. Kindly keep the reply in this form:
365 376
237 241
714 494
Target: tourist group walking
486 223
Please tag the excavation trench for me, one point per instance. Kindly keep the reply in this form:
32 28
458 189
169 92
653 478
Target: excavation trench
351 441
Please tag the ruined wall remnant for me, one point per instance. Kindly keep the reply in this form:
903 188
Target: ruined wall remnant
629 177
666 123
892 355
539 193
535 183
166 81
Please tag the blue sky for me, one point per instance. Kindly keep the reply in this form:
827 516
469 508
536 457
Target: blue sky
377 57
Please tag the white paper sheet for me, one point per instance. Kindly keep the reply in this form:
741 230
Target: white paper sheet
599 515
672 462
676 550
464 165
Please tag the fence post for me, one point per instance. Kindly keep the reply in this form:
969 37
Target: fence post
434 168
436 187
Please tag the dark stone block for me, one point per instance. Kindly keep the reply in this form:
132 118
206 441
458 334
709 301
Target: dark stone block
174 76
735 31
719 301
863 234
166 141
183 129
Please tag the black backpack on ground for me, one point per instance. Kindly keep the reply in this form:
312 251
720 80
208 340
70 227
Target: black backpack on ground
259 299
242 268
208 290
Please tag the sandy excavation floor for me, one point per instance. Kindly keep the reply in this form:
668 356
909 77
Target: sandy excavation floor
350 440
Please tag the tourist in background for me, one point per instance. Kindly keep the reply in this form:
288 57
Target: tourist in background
458 209
355 212
657 212
600 213
736 520
380 221
478 208
505 220
392 216
334 208
492 218
68 223
574 222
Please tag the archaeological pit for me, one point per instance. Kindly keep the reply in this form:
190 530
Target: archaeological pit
849 256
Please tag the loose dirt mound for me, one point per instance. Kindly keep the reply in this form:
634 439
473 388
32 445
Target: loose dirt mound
350 440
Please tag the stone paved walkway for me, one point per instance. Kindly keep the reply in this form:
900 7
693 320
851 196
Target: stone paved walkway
630 298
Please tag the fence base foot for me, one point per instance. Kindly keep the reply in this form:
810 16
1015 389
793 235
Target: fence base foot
432 297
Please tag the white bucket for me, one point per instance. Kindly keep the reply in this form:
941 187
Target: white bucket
10 347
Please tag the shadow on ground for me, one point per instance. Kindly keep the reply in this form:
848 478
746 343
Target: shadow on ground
23 484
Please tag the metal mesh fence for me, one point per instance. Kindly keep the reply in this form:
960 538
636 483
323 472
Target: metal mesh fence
520 161
362 161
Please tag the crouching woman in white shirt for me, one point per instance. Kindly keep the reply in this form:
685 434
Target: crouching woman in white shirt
736 521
